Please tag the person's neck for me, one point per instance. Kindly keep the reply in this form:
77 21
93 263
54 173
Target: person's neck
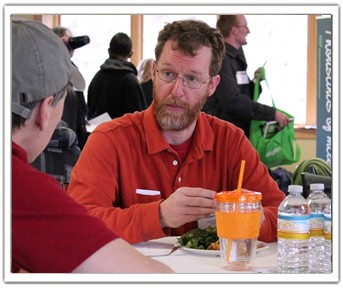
178 137
118 57
30 139
232 42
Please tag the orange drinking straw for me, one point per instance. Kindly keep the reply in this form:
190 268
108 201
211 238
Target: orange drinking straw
240 179
239 188
228 250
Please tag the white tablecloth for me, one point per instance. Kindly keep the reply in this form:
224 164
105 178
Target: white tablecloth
182 261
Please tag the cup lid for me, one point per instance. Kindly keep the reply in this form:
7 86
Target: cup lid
232 196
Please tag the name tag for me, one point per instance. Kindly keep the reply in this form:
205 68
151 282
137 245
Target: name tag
207 221
242 77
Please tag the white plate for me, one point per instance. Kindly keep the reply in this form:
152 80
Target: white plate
201 251
260 246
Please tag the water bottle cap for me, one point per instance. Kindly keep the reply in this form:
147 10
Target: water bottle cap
295 188
317 186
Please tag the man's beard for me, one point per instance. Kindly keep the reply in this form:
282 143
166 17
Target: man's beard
176 121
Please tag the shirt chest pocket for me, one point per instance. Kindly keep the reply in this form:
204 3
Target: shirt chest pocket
146 196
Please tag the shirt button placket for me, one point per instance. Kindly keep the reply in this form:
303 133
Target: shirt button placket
175 163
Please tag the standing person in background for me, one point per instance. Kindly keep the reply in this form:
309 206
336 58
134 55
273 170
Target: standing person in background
158 170
144 77
51 233
115 88
233 98
75 108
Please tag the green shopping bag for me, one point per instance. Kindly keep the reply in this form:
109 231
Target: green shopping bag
275 147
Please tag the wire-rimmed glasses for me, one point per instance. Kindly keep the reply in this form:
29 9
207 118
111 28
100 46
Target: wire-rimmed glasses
189 81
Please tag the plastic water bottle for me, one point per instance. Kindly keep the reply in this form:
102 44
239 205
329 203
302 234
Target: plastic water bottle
293 232
327 237
317 200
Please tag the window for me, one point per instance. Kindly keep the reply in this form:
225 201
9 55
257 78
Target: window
281 42
100 29
278 40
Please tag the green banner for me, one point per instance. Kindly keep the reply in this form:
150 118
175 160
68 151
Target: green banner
324 88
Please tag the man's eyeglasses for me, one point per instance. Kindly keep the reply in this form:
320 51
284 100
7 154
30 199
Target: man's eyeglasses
189 81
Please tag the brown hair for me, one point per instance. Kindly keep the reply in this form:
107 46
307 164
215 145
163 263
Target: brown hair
18 121
225 24
189 36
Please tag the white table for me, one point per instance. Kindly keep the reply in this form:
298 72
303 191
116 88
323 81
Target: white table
182 261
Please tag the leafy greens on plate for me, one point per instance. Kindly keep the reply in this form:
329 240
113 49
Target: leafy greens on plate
199 238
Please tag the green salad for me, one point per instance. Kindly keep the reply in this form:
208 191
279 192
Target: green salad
199 238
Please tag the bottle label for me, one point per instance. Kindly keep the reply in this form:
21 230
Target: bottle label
327 227
327 236
293 227
317 225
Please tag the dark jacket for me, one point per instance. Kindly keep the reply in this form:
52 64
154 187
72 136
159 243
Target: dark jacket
75 114
115 89
148 91
233 102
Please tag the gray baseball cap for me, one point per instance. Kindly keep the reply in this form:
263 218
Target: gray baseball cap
41 65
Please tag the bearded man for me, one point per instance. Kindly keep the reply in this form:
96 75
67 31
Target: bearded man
155 173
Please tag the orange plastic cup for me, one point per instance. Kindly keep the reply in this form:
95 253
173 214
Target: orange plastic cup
238 223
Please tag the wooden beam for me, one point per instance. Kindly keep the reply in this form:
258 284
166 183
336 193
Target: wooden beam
137 38
311 98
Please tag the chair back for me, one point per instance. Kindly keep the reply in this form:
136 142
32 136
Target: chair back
60 156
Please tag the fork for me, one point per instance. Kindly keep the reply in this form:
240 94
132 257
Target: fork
176 247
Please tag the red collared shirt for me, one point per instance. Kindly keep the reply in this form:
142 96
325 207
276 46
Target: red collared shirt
130 153
51 233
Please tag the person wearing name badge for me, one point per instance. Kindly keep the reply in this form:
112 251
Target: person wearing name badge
233 99
155 173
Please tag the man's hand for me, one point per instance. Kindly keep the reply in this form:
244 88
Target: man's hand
260 74
281 118
186 205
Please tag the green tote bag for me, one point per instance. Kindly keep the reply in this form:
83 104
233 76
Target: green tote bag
276 147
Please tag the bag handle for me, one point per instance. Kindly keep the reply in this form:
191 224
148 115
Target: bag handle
297 146
257 88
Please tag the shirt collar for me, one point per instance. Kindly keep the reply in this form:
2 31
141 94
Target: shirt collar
235 53
19 152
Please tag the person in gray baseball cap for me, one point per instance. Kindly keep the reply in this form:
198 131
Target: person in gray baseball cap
51 233
35 73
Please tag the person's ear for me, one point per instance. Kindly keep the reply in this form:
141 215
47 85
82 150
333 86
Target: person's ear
44 112
233 30
213 85
153 69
